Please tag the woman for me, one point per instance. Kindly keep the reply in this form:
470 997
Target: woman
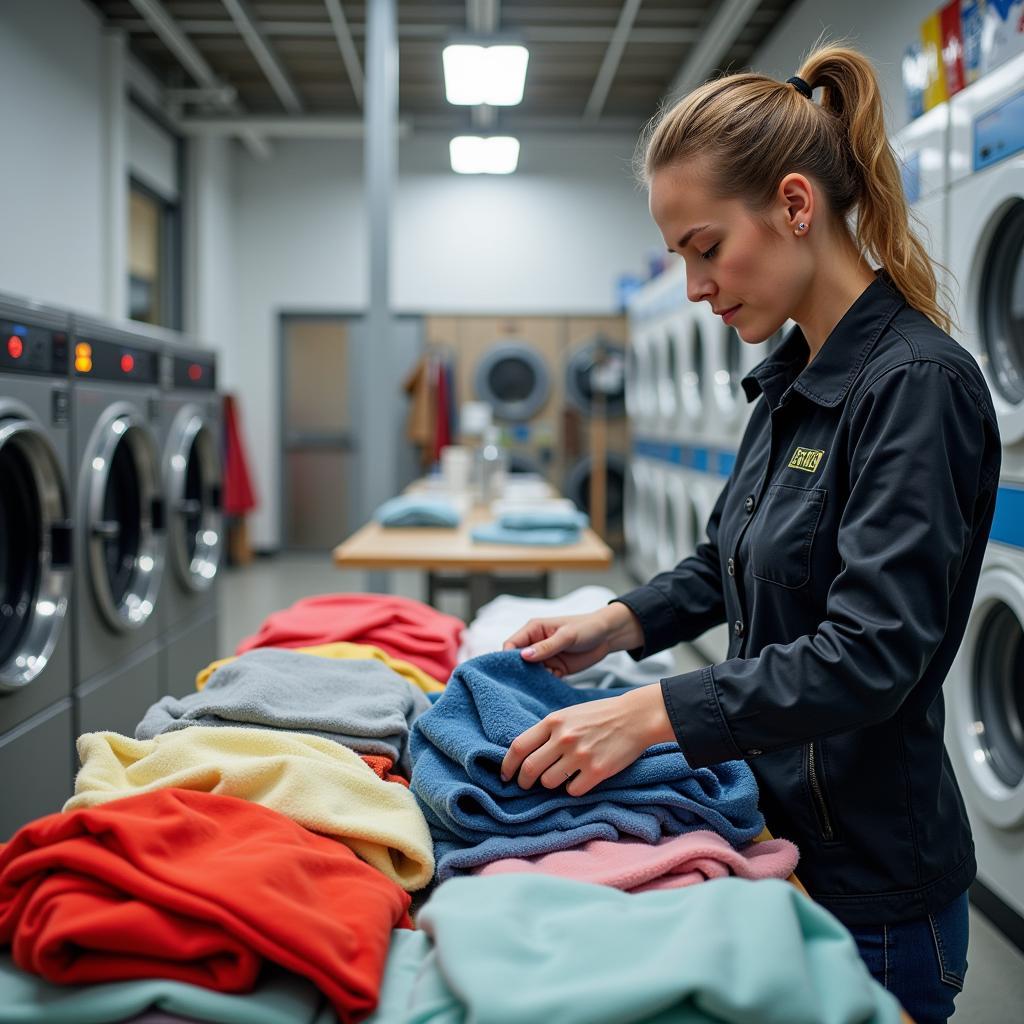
845 549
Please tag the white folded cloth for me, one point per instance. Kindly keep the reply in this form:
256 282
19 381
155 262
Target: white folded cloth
499 619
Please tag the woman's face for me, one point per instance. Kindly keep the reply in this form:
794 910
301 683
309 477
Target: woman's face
754 275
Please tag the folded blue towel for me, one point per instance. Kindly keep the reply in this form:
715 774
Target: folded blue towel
417 510
544 519
495 533
457 747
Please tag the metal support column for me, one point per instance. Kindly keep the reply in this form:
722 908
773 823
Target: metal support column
380 158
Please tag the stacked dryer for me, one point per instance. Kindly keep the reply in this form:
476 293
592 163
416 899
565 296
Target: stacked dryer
986 257
36 727
190 427
120 522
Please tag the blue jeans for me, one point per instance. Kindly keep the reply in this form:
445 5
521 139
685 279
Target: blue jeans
923 962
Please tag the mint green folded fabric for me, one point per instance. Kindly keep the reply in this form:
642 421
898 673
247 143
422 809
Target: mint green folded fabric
515 948
544 519
412 510
279 998
495 533
406 955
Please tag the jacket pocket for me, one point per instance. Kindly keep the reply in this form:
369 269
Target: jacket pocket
786 527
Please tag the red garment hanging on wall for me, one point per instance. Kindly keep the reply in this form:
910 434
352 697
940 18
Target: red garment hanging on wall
239 496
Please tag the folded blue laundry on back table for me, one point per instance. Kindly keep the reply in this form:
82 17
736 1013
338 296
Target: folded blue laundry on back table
542 526
458 745
417 510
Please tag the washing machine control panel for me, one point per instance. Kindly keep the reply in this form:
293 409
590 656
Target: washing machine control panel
193 372
99 359
25 348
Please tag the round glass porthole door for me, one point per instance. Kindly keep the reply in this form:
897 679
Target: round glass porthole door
1001 304
987 705
514 380
125 520
577 487
597 368
34 551
193 497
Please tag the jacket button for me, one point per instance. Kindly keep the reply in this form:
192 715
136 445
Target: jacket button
749 504
755 752
737 627
730 567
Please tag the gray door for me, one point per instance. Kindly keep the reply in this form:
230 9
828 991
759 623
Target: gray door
320 449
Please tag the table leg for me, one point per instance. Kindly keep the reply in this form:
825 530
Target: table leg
378 582
481 590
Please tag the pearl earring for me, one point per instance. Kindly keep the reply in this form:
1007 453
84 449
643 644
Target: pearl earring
800 227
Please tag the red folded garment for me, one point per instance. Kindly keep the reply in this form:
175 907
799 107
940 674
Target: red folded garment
402 627
382 768
198 888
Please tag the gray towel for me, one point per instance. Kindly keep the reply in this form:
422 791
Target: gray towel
363 705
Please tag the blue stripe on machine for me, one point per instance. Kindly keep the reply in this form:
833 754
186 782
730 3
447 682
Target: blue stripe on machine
1008 523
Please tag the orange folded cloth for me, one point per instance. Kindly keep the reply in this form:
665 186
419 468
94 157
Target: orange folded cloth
382 768
197 888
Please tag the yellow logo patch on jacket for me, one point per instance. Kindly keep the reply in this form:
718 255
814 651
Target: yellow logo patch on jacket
806 459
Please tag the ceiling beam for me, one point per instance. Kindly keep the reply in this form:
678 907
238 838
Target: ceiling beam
304 126
411 31
716 41
347 46
170 32
265 56
610 63
482 19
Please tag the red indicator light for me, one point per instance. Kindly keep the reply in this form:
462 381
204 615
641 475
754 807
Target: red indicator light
195 372
15 346
127 363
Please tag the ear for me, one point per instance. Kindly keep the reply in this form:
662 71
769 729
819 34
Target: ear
796 201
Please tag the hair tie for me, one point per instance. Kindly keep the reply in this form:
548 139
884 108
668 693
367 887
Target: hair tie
800 85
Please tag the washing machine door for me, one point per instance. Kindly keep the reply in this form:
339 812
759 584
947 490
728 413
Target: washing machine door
1000 305
987 697
577 487
598 368
513 379
124 518
35 550
193 489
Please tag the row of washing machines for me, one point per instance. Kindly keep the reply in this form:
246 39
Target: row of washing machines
963 167
110 536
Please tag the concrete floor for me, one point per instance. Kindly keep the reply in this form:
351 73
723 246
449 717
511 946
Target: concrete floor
994 993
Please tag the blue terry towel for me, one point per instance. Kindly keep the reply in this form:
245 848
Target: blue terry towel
417 510
544 519
495 533
458 744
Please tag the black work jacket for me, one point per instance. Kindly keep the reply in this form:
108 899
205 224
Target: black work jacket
844 553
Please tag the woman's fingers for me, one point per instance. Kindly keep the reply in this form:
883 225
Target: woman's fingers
534 630
522 746
541 650
558 774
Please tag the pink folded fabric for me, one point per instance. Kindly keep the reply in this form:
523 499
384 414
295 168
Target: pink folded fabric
675 861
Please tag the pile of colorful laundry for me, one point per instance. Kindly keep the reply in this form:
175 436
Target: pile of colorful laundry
249 855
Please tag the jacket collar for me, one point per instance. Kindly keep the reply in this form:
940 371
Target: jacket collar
829 377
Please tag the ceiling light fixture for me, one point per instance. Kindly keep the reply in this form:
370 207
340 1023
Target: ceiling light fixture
474 154
495 75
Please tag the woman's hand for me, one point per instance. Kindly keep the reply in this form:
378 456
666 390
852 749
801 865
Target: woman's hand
592 741
568 644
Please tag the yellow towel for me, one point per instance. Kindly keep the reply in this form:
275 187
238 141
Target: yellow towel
322 785
343 649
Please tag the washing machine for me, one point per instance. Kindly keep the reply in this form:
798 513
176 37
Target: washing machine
985 723
922 148
986 242
515 365
119 536
36 721
986 261
191 435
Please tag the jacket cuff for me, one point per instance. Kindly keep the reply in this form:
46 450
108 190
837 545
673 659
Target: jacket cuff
657 620
697 719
